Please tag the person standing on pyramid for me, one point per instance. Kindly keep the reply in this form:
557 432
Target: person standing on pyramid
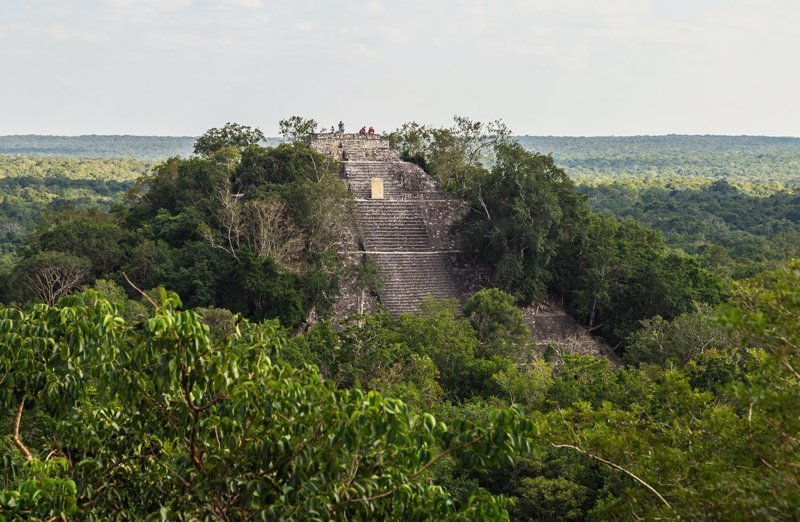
341 127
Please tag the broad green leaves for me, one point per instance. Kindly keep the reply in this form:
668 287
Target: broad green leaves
158 419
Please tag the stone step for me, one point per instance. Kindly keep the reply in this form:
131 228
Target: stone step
377 208
392 227
404 222
388 244
410 278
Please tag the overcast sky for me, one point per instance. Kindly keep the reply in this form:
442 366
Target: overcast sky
560 67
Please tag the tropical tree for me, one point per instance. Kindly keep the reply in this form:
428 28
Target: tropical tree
517 214
296 128
453 154
48 276
230 135
499 323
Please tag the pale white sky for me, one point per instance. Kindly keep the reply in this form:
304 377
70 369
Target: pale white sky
561 67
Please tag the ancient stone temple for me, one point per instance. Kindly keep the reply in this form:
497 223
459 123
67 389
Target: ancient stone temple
404 220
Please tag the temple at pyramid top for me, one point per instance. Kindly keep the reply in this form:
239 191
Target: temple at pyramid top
353 147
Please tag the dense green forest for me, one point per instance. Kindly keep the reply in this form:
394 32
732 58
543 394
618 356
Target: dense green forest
33 185
124 400
755 159
147 148
98 146
731 229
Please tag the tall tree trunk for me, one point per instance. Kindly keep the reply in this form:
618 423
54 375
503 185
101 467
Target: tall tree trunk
15 436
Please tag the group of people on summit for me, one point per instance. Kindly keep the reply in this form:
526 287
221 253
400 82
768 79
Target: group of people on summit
364 131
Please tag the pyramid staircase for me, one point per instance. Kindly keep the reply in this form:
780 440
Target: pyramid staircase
394 229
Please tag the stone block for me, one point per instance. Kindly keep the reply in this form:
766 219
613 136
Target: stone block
377 188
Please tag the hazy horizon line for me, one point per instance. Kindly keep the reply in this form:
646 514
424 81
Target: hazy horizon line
693 135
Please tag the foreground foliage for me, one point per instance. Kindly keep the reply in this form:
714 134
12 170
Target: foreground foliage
162 416
159 419
702 427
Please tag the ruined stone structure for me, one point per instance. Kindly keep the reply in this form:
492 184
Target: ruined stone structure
404 221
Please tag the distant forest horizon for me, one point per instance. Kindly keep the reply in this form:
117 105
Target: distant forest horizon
571 151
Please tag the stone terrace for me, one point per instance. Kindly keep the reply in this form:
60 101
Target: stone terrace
405 223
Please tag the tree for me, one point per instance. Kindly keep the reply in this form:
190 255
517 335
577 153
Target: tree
441 333
273 235
615 273
263 226
594 266
204 225
325 210
48 276
297 128
680 340
500 324
517 213
285 163
526 386
542 498
87 233
454 154
230 135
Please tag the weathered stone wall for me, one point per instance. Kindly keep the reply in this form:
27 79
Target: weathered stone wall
355 299
353 147
439 216
552 326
